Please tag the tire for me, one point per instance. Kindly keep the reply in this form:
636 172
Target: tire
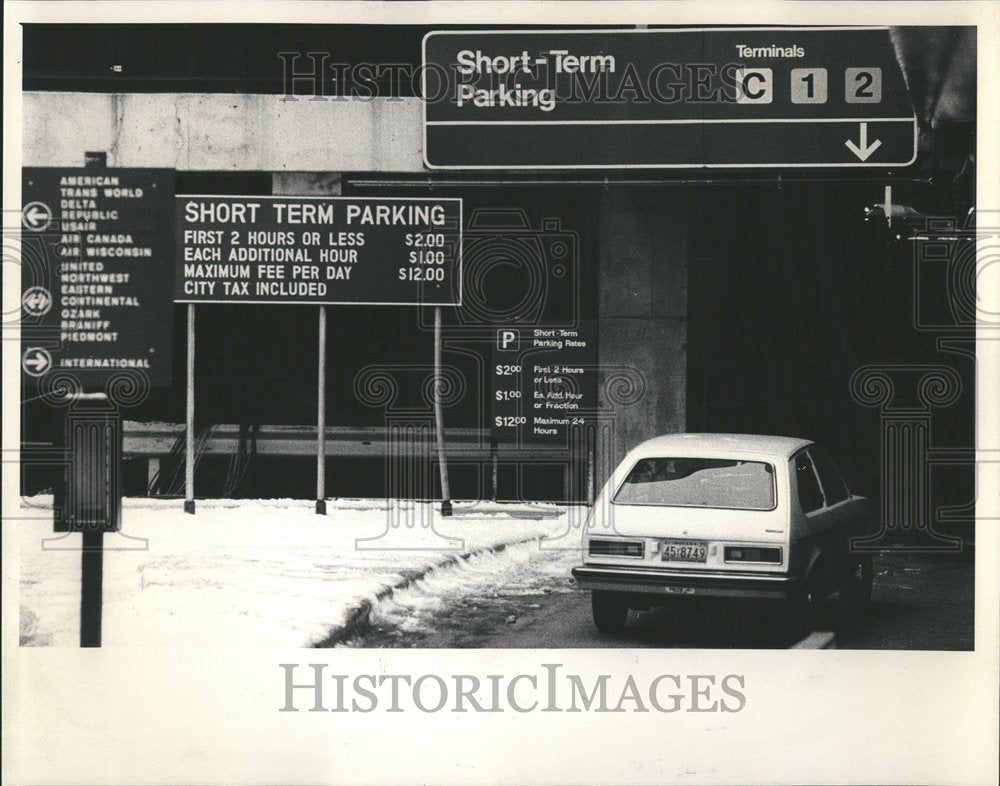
856 592
801 612
610 611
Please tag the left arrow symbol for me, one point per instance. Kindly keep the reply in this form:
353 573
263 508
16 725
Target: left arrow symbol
863 150
36 216
36 361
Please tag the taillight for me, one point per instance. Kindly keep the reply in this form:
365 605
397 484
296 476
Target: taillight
616 548
753 554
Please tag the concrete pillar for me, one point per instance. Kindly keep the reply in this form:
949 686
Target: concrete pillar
224 132
642 308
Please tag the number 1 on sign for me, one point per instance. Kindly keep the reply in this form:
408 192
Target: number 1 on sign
809 86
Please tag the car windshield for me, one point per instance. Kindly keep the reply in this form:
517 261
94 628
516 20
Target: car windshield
699 482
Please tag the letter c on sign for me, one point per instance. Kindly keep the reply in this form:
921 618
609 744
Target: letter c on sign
746 85
755 86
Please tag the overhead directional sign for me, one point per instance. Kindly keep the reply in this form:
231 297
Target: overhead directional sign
725 97
347 250
96 273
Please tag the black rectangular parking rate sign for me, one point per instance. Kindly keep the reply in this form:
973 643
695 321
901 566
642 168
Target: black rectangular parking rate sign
332 250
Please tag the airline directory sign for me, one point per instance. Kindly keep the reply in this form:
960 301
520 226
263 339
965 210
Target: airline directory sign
727 97
97 269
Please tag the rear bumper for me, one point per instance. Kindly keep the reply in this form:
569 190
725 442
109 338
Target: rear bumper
702 583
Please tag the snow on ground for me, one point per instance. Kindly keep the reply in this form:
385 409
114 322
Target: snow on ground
521 569
266 573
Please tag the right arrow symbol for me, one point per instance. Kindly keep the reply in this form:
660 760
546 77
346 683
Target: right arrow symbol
863 150
36 361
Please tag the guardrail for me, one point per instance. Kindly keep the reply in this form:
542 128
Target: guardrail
153 442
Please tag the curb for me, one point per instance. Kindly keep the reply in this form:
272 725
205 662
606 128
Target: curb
359 617
819 640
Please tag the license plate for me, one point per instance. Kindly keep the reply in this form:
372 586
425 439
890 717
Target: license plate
684 551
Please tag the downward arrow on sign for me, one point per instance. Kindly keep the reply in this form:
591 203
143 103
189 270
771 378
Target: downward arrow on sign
863 150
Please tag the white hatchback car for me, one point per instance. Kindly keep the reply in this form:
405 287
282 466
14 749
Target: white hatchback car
725 515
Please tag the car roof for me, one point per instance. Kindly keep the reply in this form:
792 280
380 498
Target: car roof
719 446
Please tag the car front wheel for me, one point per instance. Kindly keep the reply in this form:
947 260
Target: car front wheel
610 611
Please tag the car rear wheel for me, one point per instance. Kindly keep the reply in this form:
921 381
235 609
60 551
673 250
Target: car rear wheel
801 613
856 592
610 611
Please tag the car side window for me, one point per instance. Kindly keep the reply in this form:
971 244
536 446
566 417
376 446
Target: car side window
810 496
834 488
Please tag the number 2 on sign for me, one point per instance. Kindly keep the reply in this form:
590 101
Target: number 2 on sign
863 85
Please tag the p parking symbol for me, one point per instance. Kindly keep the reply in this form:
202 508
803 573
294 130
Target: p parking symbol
508 340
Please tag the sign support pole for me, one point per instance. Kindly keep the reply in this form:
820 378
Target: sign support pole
591 484
190 457
91 581
495 462
89 499
438 417
321 418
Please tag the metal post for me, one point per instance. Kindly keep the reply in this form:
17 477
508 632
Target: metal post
591 490
495 461
438 417
152 472
89 501
189 457
321 418
91 580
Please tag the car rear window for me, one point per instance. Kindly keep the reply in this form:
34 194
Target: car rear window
699 483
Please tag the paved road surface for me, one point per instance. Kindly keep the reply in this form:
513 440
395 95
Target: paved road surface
920 602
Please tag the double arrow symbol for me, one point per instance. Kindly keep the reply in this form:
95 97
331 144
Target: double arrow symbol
863 150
